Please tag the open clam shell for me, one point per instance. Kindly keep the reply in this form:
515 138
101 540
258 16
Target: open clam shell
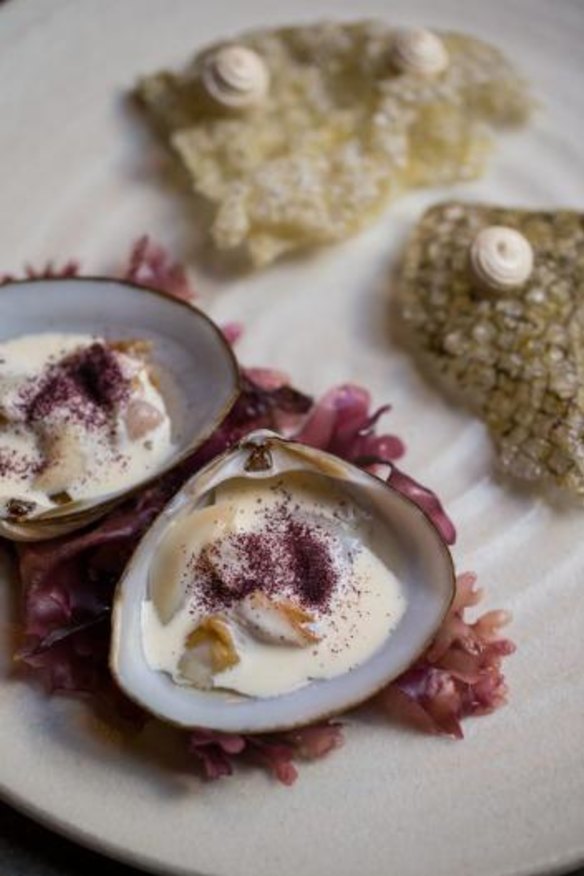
410 547
193 364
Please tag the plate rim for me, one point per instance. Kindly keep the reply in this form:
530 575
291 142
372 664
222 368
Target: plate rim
67 827
118 852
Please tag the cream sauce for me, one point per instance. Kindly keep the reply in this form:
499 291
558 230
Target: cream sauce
111 461
365 606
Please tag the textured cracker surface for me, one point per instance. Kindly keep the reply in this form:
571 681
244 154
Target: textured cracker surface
340 134
517 358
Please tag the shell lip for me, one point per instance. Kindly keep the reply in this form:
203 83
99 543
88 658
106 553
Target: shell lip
261 438
327 715
17 529
258 437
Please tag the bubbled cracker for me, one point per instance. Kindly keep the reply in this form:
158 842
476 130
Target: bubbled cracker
517 358
340 133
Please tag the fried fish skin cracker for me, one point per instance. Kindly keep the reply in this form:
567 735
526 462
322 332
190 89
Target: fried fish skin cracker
515 357
340 133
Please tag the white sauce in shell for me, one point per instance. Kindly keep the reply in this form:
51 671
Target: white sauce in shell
366 604
111 461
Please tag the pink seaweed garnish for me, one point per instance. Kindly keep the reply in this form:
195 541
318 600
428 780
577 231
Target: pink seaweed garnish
150 265
68 583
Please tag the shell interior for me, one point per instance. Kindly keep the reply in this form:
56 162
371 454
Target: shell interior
414 551
196 370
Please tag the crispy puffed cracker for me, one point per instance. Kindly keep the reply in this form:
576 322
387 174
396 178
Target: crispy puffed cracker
340 133
517 358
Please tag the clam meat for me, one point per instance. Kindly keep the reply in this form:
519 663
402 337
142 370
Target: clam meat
104 386
81 417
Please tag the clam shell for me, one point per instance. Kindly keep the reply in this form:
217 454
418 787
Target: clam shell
415 552
196 369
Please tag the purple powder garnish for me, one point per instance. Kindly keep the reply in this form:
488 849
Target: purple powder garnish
56 391
286 557
97 370
14 464
85 387
311 562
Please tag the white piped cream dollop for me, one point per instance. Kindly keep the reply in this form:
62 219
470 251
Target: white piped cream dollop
236 77
419 51
501 258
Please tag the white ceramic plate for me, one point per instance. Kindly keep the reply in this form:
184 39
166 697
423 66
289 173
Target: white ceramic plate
78 177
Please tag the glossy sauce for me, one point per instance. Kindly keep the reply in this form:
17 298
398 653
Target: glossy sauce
353 622
110 459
